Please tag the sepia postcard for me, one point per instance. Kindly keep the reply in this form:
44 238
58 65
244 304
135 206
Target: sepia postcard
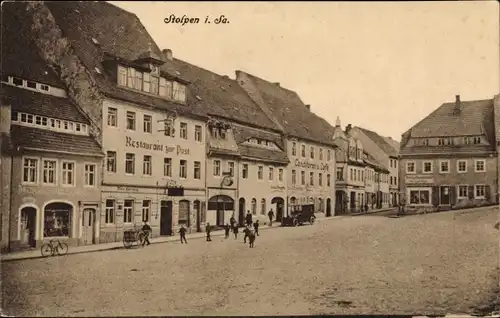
250 158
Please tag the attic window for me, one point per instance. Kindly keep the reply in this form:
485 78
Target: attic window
98 71
44 87
17 81
198 97
31 84
95 41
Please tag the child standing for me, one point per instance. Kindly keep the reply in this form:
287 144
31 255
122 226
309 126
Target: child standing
235 231
226 230
256 227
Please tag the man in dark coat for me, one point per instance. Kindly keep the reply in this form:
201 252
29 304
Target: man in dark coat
270 214
208 229
146 229
182 231
249 218
256 227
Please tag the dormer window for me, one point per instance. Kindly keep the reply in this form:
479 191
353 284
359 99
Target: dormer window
48 123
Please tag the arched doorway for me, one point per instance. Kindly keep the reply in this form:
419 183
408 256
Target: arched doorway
57 219
28 226
221 204
241 211
280 206
328 207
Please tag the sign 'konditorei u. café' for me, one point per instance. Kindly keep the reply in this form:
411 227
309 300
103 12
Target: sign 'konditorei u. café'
129 142
308 165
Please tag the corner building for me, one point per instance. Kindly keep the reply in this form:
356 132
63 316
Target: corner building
449 159
308 143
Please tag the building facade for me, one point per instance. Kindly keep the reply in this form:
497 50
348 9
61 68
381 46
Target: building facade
449 159
386 152
308 143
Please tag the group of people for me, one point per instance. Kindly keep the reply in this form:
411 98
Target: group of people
251 229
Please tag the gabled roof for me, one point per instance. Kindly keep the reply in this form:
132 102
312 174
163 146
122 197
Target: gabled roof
473 119
380 141
119 34
19 51
372 162
291 113
45 140
392 143
23 100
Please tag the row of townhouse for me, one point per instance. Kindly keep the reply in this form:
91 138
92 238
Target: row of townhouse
103 131
450 158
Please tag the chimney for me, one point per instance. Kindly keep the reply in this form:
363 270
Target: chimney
337 122
277 84
458 104
168 54
348 128
308 107
5 119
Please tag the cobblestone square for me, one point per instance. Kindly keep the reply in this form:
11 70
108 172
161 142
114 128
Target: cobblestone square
428 264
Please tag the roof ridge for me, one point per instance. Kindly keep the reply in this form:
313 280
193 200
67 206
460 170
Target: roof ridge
470 101
204 69
271 83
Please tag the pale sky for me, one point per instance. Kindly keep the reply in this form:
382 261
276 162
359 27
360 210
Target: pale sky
382 66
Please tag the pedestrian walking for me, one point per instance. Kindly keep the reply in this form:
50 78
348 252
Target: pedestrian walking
247 231
256 227
251 238
232 221
249 218
226 229
208 229
235 231
146 230
270 214
182 232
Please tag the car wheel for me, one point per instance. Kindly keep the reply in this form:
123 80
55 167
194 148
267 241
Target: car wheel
295 222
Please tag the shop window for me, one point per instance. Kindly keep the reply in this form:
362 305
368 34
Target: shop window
57 220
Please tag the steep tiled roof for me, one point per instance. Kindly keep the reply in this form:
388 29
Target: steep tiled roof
23 100
223 97
372 162
392 143
46 140
380 141
242 134
291 113
18 50
263 154
119 34
475 118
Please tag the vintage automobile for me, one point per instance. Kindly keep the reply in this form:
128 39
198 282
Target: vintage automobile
298 215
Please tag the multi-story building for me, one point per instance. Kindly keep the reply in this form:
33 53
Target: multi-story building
308 142
386 152
246 160
51 164
150 126
376 184
449 158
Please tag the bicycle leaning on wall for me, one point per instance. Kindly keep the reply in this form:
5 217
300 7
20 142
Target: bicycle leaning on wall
54 247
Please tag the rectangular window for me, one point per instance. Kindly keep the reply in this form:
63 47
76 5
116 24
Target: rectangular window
147 166
480 166
146 208
49 171
197 170
184 131
303 177
271 173
480 191
129 163
320 179
111 161
168 128
294 149
462 165
68 173
327 180
128 211
329 155
162 91
131 120
427 166
138 80
179 92
216 167
14 116
146 83
294 177
280 175
230 168
244 171
444 166
29 119
148 124
38 120
320 153
130 77
340 173
419 197
45 120
167 167
410 167
312 152
154 85
90 173
183 169
260 172
303 151
122 76
197 133
109 217
311 178
168 89
462 191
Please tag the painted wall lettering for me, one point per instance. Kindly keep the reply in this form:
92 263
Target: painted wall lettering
129 142
305 164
